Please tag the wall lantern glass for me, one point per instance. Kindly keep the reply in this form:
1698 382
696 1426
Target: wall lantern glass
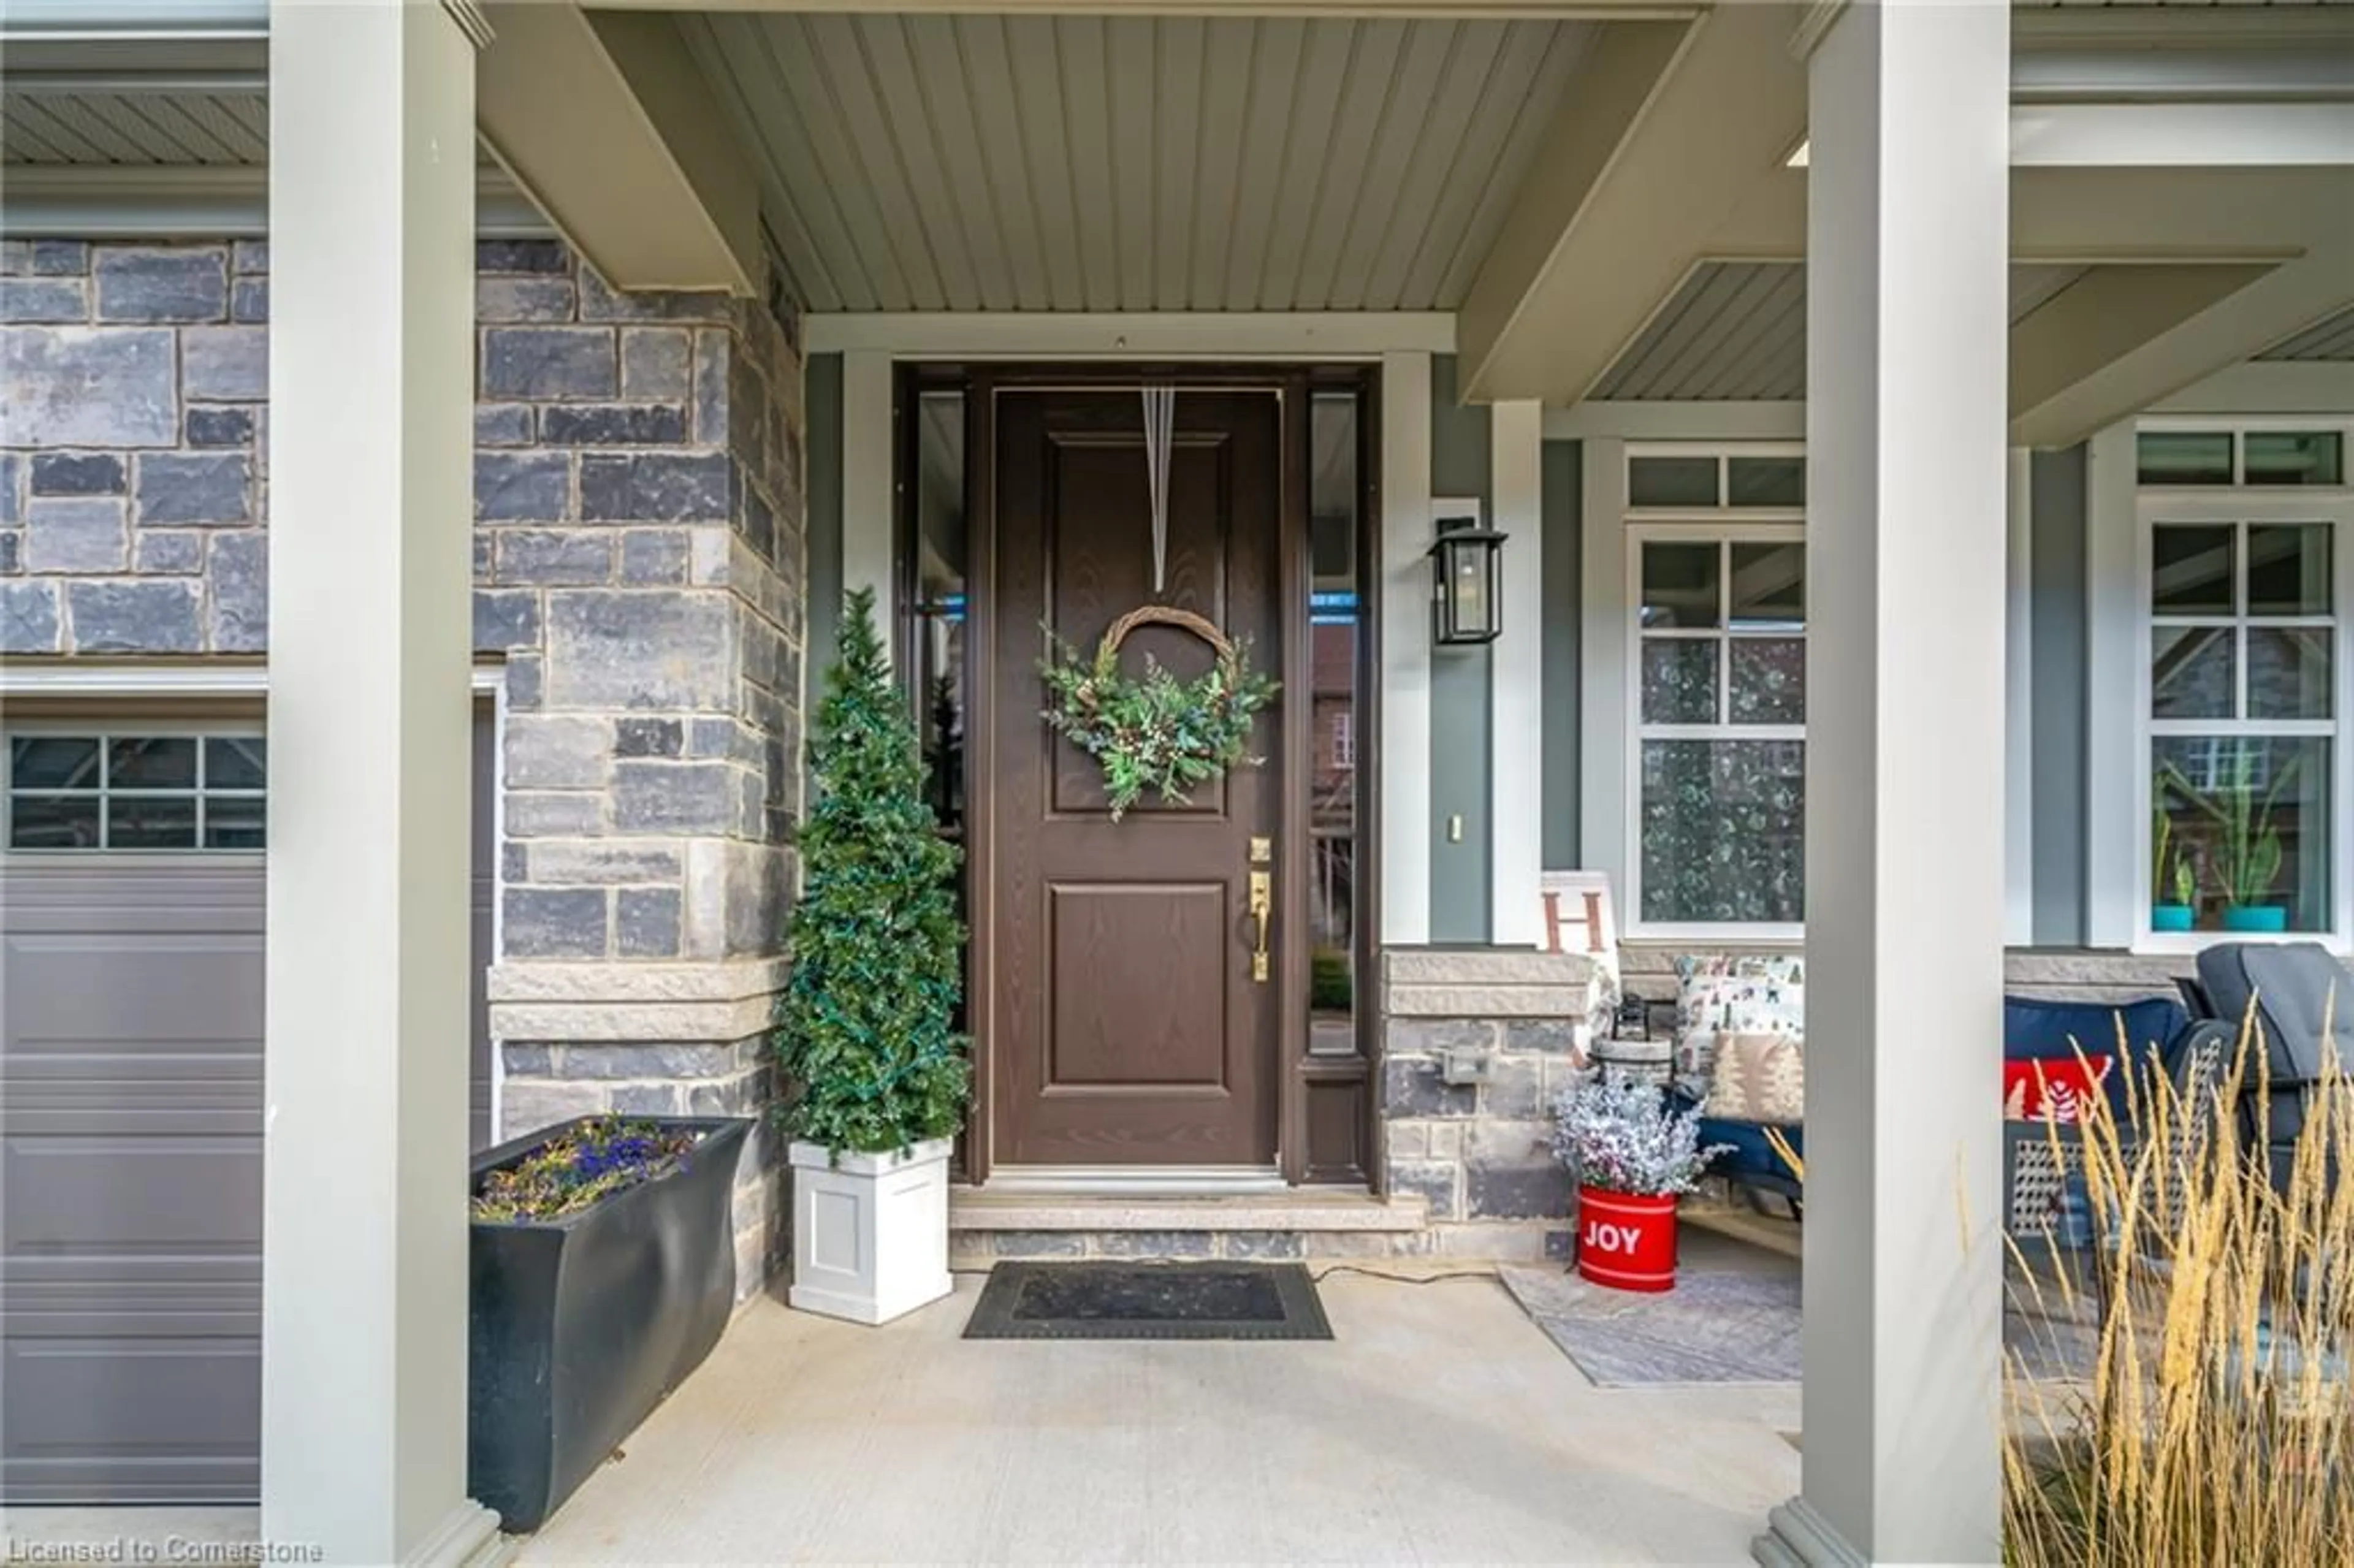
1466 583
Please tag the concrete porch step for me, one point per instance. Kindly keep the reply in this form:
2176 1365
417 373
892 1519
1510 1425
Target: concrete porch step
984 1226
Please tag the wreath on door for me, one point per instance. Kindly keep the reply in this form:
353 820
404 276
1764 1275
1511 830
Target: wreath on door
1155 731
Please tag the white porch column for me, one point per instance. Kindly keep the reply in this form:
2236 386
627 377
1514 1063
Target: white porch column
1516 679
1907 465
371 362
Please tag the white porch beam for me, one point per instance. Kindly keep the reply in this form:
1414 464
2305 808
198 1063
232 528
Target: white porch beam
611 126
2080 335
2268 387
1131 335
1907 479
2183 135
371 362
170 201
1662 132
1516 678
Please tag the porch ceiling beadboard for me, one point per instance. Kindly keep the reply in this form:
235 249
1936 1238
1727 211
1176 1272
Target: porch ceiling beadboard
1736 331
2332 340
227 126
987 163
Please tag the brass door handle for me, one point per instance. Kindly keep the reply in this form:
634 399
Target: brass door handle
1262 911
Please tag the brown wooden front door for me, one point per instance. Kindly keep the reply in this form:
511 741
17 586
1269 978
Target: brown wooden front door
1126 1026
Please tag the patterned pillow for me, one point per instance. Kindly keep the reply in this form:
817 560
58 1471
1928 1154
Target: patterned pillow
1724 994
1758 1078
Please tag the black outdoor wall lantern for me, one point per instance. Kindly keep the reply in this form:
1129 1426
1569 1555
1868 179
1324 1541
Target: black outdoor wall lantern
1466 580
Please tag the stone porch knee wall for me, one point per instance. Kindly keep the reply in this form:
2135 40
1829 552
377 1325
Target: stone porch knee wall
640 564
1480 1154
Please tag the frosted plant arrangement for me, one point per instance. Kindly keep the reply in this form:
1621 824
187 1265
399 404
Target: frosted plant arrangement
1619 1136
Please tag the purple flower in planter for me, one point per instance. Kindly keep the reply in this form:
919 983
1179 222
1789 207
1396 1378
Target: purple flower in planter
569 1173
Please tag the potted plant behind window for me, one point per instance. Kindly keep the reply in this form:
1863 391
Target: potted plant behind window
602 1271
2180 912
1632 1156
2247 848
866 1032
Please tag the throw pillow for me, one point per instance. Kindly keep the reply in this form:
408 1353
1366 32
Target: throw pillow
1758 1078
1721 993
2052 1089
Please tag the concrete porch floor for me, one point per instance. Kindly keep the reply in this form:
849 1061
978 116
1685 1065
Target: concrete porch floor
1440 1426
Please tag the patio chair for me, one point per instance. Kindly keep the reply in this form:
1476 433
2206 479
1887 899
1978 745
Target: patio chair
2299 993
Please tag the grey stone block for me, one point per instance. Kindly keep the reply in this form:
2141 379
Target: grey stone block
60 258
1552 1037
220 426
655 364
612 424
598 862
168 552
528 1104
12 546
1018 1246
521 255
502 425
1265 1244
553 922
250 256
697 797
505 618
195 487
557 751
133 618
1560 1246
656 487
226 364
712 356
77 474
76 534
1434 1181
55 301
485 551
1432 1037
179 285
722 737
646 922
529 298
1515 1087
554 816
736 1097
241 592
1410 1087
546 362
249 300
653 557
521 487
29 622
89 387
647 737
12 469
1156 1244
566 557
524 680
601 303
1516 1191
663 651
649 1099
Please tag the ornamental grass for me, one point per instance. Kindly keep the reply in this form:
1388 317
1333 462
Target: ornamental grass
2213 1423
598 1157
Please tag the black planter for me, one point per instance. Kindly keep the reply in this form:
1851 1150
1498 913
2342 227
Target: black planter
580 1326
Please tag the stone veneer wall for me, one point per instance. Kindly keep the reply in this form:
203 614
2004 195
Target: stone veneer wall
1480 1154
640 564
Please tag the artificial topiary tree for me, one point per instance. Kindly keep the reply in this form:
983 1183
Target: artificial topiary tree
866 1028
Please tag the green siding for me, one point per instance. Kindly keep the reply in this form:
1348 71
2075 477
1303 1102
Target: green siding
2058 632
823 396
1460 869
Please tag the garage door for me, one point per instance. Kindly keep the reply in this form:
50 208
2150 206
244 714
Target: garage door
131 1092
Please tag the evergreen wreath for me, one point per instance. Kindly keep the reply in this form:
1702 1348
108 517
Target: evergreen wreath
866 1032
1156 732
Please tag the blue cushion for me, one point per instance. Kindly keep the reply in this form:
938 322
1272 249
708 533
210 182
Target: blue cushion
1750 1154
2049 1031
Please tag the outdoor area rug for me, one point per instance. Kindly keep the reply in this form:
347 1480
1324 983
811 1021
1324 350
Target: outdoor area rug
1715 1326
1148 1301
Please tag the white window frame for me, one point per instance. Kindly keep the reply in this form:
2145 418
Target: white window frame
2216 505
106 729
1721 524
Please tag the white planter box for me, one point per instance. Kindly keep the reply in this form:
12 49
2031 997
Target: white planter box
870 1230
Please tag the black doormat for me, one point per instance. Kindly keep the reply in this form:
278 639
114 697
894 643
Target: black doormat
1148 1301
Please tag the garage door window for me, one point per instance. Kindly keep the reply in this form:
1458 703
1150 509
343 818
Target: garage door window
135 792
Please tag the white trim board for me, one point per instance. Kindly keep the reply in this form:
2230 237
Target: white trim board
1172 334
1404 694
1714 423
174 201
73 678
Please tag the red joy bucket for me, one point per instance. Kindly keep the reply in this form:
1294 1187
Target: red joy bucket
1626 1242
